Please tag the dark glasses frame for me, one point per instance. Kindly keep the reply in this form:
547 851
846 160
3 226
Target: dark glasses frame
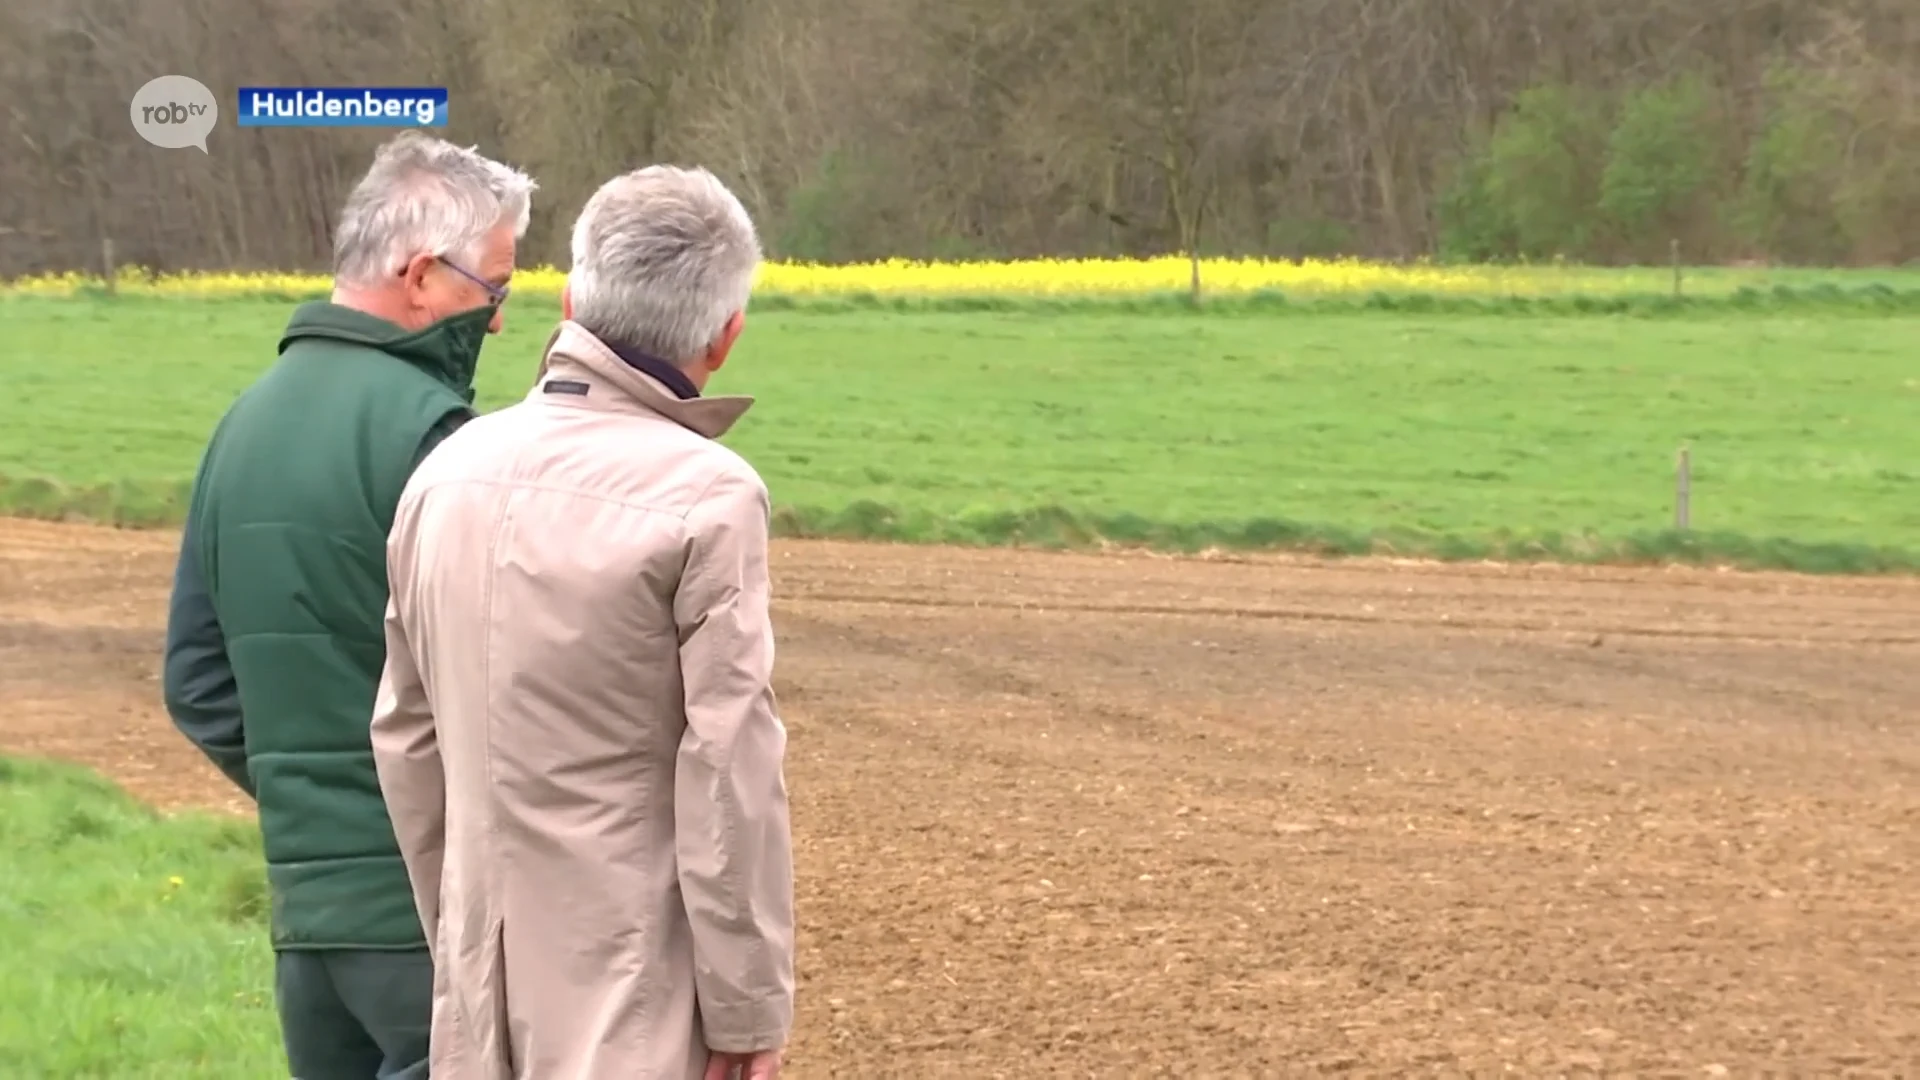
497 293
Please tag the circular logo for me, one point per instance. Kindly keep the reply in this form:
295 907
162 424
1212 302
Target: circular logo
175 112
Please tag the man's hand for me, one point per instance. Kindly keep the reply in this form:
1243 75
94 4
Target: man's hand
760 1065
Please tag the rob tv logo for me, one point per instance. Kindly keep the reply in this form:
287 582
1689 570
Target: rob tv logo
174 111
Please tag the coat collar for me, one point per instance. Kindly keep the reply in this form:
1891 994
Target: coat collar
448 350
574 355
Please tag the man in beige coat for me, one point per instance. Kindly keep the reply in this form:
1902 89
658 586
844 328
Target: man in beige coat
576 733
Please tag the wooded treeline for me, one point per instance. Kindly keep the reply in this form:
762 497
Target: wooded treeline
1597 130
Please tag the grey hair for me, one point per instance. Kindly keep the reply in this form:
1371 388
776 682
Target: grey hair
662 258
424 194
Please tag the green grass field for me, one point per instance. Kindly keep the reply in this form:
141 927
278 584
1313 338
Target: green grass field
131 946
1455 432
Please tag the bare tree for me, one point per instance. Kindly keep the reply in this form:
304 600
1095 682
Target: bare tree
866 128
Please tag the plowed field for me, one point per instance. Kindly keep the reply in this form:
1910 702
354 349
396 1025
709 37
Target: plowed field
1131 816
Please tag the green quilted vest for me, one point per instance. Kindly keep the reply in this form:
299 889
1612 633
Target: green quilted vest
292 505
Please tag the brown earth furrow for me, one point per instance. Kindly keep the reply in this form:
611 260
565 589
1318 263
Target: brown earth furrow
1810 633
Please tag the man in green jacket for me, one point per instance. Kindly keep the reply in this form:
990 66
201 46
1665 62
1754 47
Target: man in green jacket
275 638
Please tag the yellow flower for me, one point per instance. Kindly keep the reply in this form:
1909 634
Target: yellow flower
1026 277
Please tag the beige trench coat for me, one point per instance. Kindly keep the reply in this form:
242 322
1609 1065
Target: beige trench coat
577 738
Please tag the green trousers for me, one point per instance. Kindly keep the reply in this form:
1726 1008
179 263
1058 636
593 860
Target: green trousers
355 1015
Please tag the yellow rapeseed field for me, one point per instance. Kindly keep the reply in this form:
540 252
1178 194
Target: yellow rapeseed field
1033 277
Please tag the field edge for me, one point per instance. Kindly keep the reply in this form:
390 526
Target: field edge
1873 299
135 505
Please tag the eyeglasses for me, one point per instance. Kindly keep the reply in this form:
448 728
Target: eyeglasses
497 293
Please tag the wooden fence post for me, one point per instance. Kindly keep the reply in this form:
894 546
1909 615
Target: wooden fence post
1683 492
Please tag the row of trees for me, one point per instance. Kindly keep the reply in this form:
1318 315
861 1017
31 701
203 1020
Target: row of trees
1783 130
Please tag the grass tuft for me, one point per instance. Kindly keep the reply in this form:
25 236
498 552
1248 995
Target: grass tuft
132 944
1061 528
125 503
1058 528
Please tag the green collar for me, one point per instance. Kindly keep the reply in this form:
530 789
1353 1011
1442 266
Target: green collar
448 350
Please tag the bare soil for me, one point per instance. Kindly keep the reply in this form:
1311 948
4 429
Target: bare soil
1122 815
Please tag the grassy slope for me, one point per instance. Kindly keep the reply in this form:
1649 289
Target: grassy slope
1471 425
130 946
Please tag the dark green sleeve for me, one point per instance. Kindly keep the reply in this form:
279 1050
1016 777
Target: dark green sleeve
438 433
197 678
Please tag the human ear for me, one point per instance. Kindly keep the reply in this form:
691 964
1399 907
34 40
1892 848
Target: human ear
729 334
414 277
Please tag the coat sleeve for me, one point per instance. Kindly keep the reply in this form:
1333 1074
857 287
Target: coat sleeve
406 745
197 680
732 836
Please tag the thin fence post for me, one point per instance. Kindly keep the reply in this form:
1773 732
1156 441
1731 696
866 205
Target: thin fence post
1683 492
107 266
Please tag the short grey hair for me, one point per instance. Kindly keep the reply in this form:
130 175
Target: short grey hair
424 194
662 258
